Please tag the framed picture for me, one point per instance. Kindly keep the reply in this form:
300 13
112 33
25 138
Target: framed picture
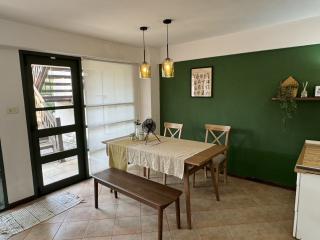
201 82
317 91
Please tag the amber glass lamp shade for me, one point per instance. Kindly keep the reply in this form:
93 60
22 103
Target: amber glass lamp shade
167 68
145 70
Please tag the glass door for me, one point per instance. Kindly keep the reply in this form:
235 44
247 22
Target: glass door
54 106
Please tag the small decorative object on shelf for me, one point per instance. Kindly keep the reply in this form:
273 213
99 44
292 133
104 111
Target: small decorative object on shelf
288 91
289 88
149 126
304 92
317 91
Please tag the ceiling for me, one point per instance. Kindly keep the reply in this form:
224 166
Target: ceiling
119 20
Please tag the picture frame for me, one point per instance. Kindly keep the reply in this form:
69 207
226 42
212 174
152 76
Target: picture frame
201 82
317 91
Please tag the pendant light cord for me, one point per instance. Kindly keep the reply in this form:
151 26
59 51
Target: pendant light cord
144 48
167 42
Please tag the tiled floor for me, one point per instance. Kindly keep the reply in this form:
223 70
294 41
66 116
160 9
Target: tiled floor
247 210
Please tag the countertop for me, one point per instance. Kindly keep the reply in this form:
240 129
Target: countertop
309 159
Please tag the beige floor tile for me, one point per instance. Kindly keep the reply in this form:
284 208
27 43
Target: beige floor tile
185 234
127 237
131 209
150 223
216 233
58 219
172 222
21 235
71 230
154 236
97 238
100 228
79 214
104 212
127 225
44 231
147 211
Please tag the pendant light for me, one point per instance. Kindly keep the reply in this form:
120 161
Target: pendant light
145 68
167 65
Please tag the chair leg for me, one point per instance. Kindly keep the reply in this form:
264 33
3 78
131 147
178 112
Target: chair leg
225 172
148 173
164 179
205 173
194 180
217 172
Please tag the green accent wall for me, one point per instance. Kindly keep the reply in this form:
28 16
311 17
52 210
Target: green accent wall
261 147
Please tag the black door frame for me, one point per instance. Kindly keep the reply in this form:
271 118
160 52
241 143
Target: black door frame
26 58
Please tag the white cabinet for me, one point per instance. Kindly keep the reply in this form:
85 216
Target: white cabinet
307 208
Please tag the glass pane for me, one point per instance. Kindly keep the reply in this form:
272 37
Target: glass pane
59 170
57 143
108 83
97 116
55 118
52 86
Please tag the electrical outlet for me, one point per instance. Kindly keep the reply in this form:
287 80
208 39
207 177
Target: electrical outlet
12 110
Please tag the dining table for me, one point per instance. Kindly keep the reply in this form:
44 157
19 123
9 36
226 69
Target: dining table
177 157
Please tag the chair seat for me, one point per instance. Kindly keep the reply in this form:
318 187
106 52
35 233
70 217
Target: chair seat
218 159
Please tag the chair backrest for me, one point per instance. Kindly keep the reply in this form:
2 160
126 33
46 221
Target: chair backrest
173 129
218 133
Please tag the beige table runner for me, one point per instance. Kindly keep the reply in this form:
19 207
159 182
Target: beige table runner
166 157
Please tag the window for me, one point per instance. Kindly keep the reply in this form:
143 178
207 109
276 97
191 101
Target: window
110 106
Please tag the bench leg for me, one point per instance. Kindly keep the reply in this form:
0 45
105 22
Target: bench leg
115 194
160 220
178 212
95 193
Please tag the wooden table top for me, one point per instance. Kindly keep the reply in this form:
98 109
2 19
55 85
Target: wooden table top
309 159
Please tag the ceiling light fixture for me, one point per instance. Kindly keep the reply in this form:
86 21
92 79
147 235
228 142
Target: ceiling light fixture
145 68
167 65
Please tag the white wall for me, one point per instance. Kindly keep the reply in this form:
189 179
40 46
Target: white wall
13 129
299 33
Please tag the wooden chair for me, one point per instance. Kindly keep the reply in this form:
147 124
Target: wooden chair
170 130
220 136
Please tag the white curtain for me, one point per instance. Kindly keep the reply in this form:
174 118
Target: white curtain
110 106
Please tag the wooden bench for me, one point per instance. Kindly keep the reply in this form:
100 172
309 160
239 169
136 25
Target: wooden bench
153 194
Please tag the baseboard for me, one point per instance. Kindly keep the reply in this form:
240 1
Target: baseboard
22 201
262 181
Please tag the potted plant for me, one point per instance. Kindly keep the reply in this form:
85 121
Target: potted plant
288 91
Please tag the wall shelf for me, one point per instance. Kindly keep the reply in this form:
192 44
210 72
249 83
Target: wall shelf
300 99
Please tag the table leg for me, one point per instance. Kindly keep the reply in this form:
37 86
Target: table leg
178 213
187 194
144 171
160 221
214 182
95 182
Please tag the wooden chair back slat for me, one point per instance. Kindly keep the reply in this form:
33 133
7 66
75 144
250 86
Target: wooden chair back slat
173 129
217 132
